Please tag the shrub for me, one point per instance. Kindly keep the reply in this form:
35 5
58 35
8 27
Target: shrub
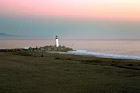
42 55
129 64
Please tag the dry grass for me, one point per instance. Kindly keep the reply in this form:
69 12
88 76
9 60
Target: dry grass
40 72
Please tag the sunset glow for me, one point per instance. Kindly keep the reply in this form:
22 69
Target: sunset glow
112 9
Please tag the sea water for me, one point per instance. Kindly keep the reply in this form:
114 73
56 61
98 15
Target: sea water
85 52
117 47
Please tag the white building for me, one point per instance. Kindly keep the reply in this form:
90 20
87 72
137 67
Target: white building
56 41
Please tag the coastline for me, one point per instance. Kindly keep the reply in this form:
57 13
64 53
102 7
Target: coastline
104 55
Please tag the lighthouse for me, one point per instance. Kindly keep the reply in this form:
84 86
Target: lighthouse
56 41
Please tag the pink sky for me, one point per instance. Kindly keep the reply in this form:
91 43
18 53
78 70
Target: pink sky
113 9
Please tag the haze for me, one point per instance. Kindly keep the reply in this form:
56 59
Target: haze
71 18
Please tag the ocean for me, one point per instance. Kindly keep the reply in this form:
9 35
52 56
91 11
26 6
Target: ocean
123 47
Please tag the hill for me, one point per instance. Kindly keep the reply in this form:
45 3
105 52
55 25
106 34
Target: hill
5 35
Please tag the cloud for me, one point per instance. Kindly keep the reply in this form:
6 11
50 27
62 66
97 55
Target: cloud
112 9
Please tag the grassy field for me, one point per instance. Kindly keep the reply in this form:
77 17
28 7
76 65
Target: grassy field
41 72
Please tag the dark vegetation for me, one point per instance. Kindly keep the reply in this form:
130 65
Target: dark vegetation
44 72
53 48
45 48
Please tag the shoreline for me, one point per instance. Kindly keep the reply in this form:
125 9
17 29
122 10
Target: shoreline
67 50
102 55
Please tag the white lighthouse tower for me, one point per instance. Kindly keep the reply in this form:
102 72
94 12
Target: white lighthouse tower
56 41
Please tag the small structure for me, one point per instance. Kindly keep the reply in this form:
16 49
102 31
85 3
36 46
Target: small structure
56 41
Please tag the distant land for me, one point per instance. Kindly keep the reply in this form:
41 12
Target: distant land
8 35
11 36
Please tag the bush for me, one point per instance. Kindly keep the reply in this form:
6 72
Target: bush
42 55
129 64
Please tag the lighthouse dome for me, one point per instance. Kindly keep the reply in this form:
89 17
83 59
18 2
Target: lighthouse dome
56 37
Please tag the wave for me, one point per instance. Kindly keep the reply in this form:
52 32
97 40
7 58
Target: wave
85 52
